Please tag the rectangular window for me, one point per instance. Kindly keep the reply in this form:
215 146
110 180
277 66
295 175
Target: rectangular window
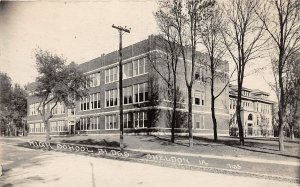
141 66
115 76
135 68
135 92
129 94
125 95
98 99
199 121
111 122
107 98
111 98
107 76
111 75
115 97
146 91
141 92
130 69
125 71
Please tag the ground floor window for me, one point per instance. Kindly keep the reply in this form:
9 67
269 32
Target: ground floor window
58 126
90 123
198 121
111 122
36 127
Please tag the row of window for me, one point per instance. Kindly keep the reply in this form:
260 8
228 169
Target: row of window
91 102
36 127
90 123
33 109
232 104
55 126
58 109
58 126
130 120
130 69
131 94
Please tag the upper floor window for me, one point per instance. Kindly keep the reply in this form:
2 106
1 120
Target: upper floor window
250 117
58 109
199 98
199 74
94 79
111 74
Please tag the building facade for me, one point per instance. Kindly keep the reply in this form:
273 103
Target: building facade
146 106
256 112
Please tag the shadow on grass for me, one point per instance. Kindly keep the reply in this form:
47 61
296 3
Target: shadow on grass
249 146
89 141
165 141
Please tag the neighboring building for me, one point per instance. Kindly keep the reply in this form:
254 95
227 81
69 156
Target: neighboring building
143 108
256 112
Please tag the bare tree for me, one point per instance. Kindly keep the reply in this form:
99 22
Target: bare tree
243 40
292 90
281 20
170 56
186 18
211 38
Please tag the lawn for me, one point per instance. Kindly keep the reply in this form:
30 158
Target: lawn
266 148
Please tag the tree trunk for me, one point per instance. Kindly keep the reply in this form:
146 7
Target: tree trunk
47 128
190 116
174 109
281 109
213 114
292 132
238 115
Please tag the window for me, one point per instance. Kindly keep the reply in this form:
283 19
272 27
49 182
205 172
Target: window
95 100
199 121
127 95
135 92
199 74
135 68
111 97
142 66
140 119
111 122
111 74
250 117
90 123
141 92
58 109
199 98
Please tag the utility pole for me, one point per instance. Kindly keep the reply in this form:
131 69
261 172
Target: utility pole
121 30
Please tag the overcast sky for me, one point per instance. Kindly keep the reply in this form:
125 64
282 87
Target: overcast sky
80 31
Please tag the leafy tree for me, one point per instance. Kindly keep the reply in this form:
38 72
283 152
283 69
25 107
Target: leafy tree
13 105
5 99
18 108
57 82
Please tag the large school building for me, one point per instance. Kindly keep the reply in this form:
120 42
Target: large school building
147 104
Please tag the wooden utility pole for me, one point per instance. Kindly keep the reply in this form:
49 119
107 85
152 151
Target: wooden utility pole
121 30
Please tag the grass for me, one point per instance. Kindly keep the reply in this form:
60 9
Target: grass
261 147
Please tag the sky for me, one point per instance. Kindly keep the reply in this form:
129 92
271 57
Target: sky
81 31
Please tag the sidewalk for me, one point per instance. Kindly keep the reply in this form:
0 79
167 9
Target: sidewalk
244 165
